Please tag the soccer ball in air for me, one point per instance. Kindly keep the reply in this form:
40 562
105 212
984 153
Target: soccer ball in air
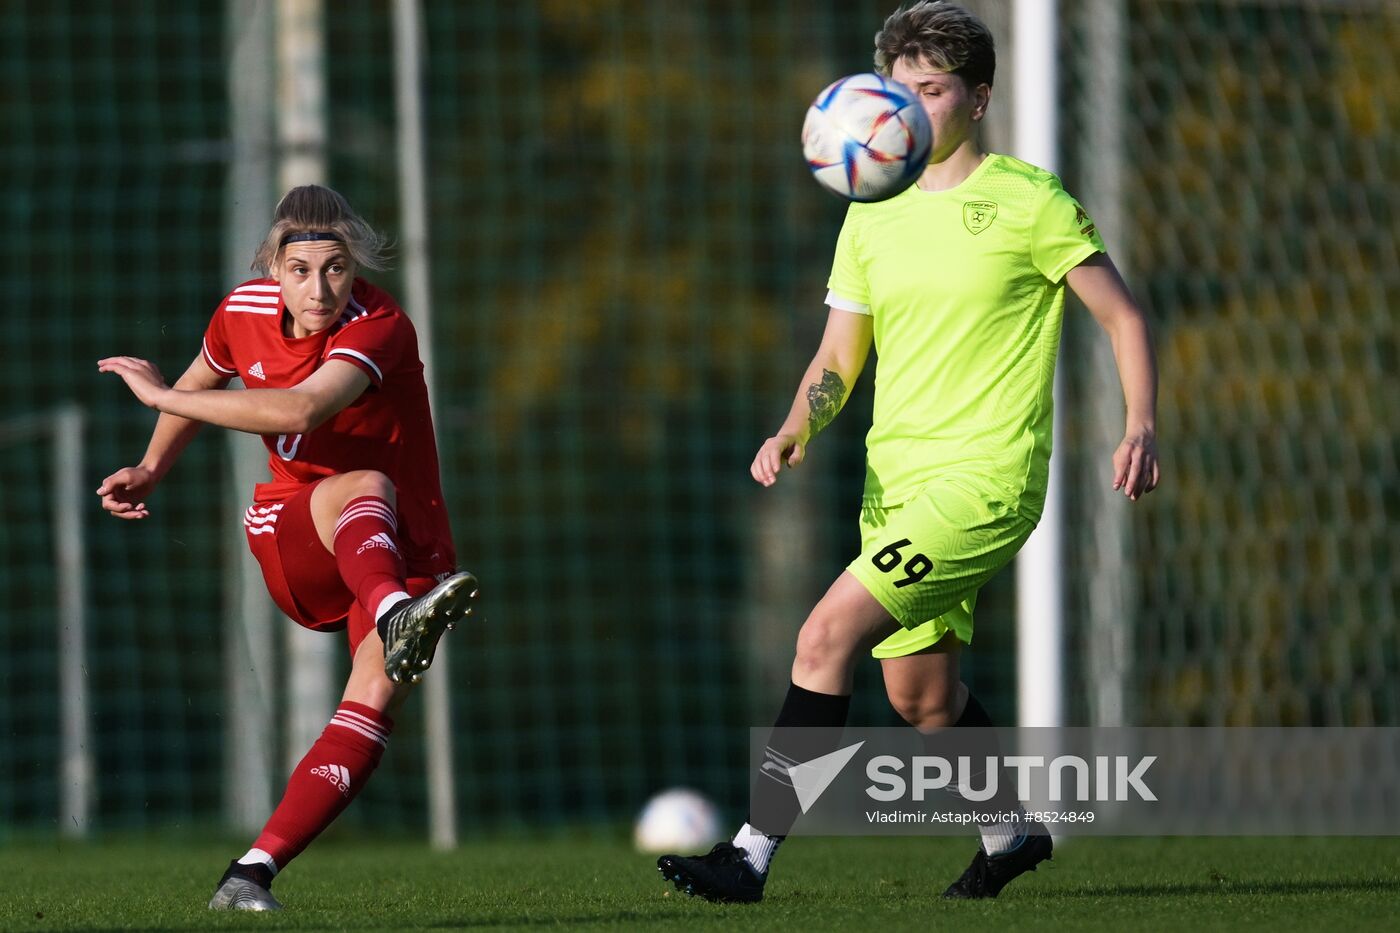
676 820
866 138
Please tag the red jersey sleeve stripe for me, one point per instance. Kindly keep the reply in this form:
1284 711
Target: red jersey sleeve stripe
357 355
209 358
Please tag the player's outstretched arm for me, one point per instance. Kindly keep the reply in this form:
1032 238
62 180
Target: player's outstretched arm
824 389
1097 283
297 410
124 493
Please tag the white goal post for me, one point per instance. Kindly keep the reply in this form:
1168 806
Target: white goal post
63 428
1040 630
413 210
277 89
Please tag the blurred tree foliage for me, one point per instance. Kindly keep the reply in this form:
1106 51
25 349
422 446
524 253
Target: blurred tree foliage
1263 210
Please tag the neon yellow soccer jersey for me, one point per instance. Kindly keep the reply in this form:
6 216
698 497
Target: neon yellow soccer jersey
966 288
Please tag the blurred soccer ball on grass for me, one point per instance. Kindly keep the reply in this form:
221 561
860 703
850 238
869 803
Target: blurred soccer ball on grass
677 821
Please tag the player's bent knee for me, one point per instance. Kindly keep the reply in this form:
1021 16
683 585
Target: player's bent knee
923 711
821 644
370 483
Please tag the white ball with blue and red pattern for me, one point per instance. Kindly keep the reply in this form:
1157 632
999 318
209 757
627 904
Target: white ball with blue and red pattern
866 138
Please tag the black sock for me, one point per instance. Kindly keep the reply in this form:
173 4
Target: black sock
978 747
808 726
257 873
973 715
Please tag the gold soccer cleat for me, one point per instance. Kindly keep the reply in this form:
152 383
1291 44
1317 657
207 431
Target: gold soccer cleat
415 625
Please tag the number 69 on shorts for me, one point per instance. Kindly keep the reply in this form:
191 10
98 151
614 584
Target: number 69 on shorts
925 559
888 558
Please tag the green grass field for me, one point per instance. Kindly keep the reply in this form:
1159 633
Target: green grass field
819 884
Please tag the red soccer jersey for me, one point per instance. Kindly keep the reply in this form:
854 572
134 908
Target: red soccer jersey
389 428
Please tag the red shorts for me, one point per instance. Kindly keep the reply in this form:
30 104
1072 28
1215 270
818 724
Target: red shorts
301 575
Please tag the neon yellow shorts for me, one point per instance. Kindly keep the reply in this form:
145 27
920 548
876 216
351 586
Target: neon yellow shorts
925 559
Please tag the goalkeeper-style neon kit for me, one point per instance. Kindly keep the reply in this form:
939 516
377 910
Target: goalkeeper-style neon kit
966 291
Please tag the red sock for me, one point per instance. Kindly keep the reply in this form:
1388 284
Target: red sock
326 780
367 551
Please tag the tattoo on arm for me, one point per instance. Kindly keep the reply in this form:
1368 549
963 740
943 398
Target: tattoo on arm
824 399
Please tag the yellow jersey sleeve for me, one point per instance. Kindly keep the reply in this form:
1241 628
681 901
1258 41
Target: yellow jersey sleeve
1062 234
848 279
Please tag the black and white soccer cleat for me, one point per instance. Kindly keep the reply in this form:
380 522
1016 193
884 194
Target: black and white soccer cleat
414 626
721 875
988 874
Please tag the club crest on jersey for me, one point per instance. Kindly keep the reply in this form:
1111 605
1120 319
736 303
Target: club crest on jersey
978 215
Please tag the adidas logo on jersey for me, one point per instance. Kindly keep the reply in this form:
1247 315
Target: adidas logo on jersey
377 540
338 775
257 370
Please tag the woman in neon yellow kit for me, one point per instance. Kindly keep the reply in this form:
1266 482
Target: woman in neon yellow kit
959 282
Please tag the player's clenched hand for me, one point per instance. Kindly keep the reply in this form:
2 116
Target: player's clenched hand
1135 468
777 450
124 492
140 376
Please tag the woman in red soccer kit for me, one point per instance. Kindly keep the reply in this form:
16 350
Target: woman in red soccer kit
351 531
